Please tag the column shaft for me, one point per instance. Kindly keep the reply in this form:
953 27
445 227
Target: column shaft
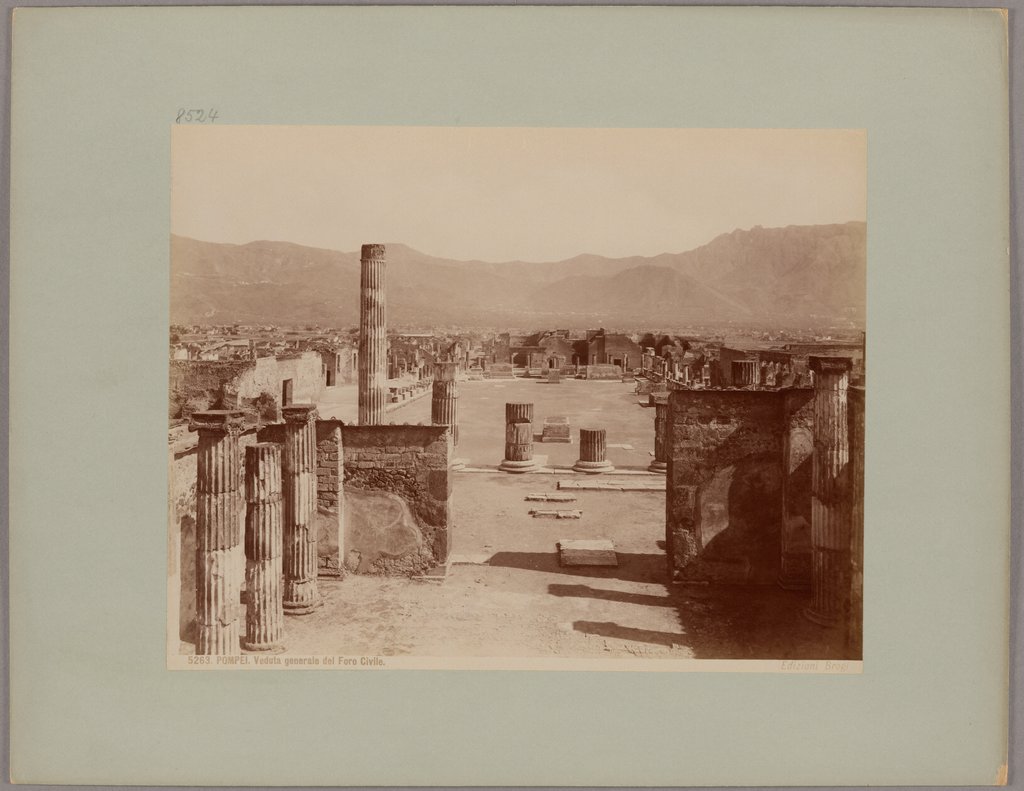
299 484
444 405
373 342
830 512
518 439
264 620
660 463
218 531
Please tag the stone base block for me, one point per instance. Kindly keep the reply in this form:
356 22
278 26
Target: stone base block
579 552
546 497
555 513
593 467
518 466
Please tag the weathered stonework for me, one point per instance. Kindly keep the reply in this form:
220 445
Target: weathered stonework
660 463
797 451
593 452
724 487
330 502
398 487
444 404
739 505
556 429
218 531
518 439
830 492
373 342
301 595
264 619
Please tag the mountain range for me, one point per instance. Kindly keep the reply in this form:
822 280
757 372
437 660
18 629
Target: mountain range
810 275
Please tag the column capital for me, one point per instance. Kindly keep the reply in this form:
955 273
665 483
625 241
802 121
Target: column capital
371 252
299 413
221 420
829 365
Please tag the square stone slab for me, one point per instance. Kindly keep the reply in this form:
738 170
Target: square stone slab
587 552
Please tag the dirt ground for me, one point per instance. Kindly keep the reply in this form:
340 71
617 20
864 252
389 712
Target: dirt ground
507 596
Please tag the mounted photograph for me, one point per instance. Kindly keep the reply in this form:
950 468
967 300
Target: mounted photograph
516 398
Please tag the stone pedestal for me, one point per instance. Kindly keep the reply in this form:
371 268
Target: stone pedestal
264 619
660 463
299 485
830 511
444 404
593 452
518 439
373 341
218 531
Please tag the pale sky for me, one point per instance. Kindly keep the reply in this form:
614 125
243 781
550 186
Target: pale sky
502 194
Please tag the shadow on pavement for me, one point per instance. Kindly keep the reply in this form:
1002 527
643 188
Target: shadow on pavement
633 567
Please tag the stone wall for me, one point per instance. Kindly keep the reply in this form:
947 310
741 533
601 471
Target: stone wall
602 372
738 499
500 371
330 505
253 386
398 486
724 485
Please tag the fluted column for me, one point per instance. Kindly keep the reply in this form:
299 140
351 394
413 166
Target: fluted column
218 531
518 439
593 451
299 485
444 404
660 463
373 341
264 614
830 513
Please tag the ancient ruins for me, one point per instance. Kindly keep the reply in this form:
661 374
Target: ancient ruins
276 491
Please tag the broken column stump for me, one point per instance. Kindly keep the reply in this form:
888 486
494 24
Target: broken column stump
556 513
264 618
518 439
593 452
583 552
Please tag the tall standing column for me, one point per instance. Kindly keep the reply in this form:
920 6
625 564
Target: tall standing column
830 512
299 484
518 439
264 615
660 463
373 341
218 531
444 404
593 452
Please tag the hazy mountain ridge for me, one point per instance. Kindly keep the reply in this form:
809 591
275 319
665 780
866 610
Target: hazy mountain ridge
795 272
